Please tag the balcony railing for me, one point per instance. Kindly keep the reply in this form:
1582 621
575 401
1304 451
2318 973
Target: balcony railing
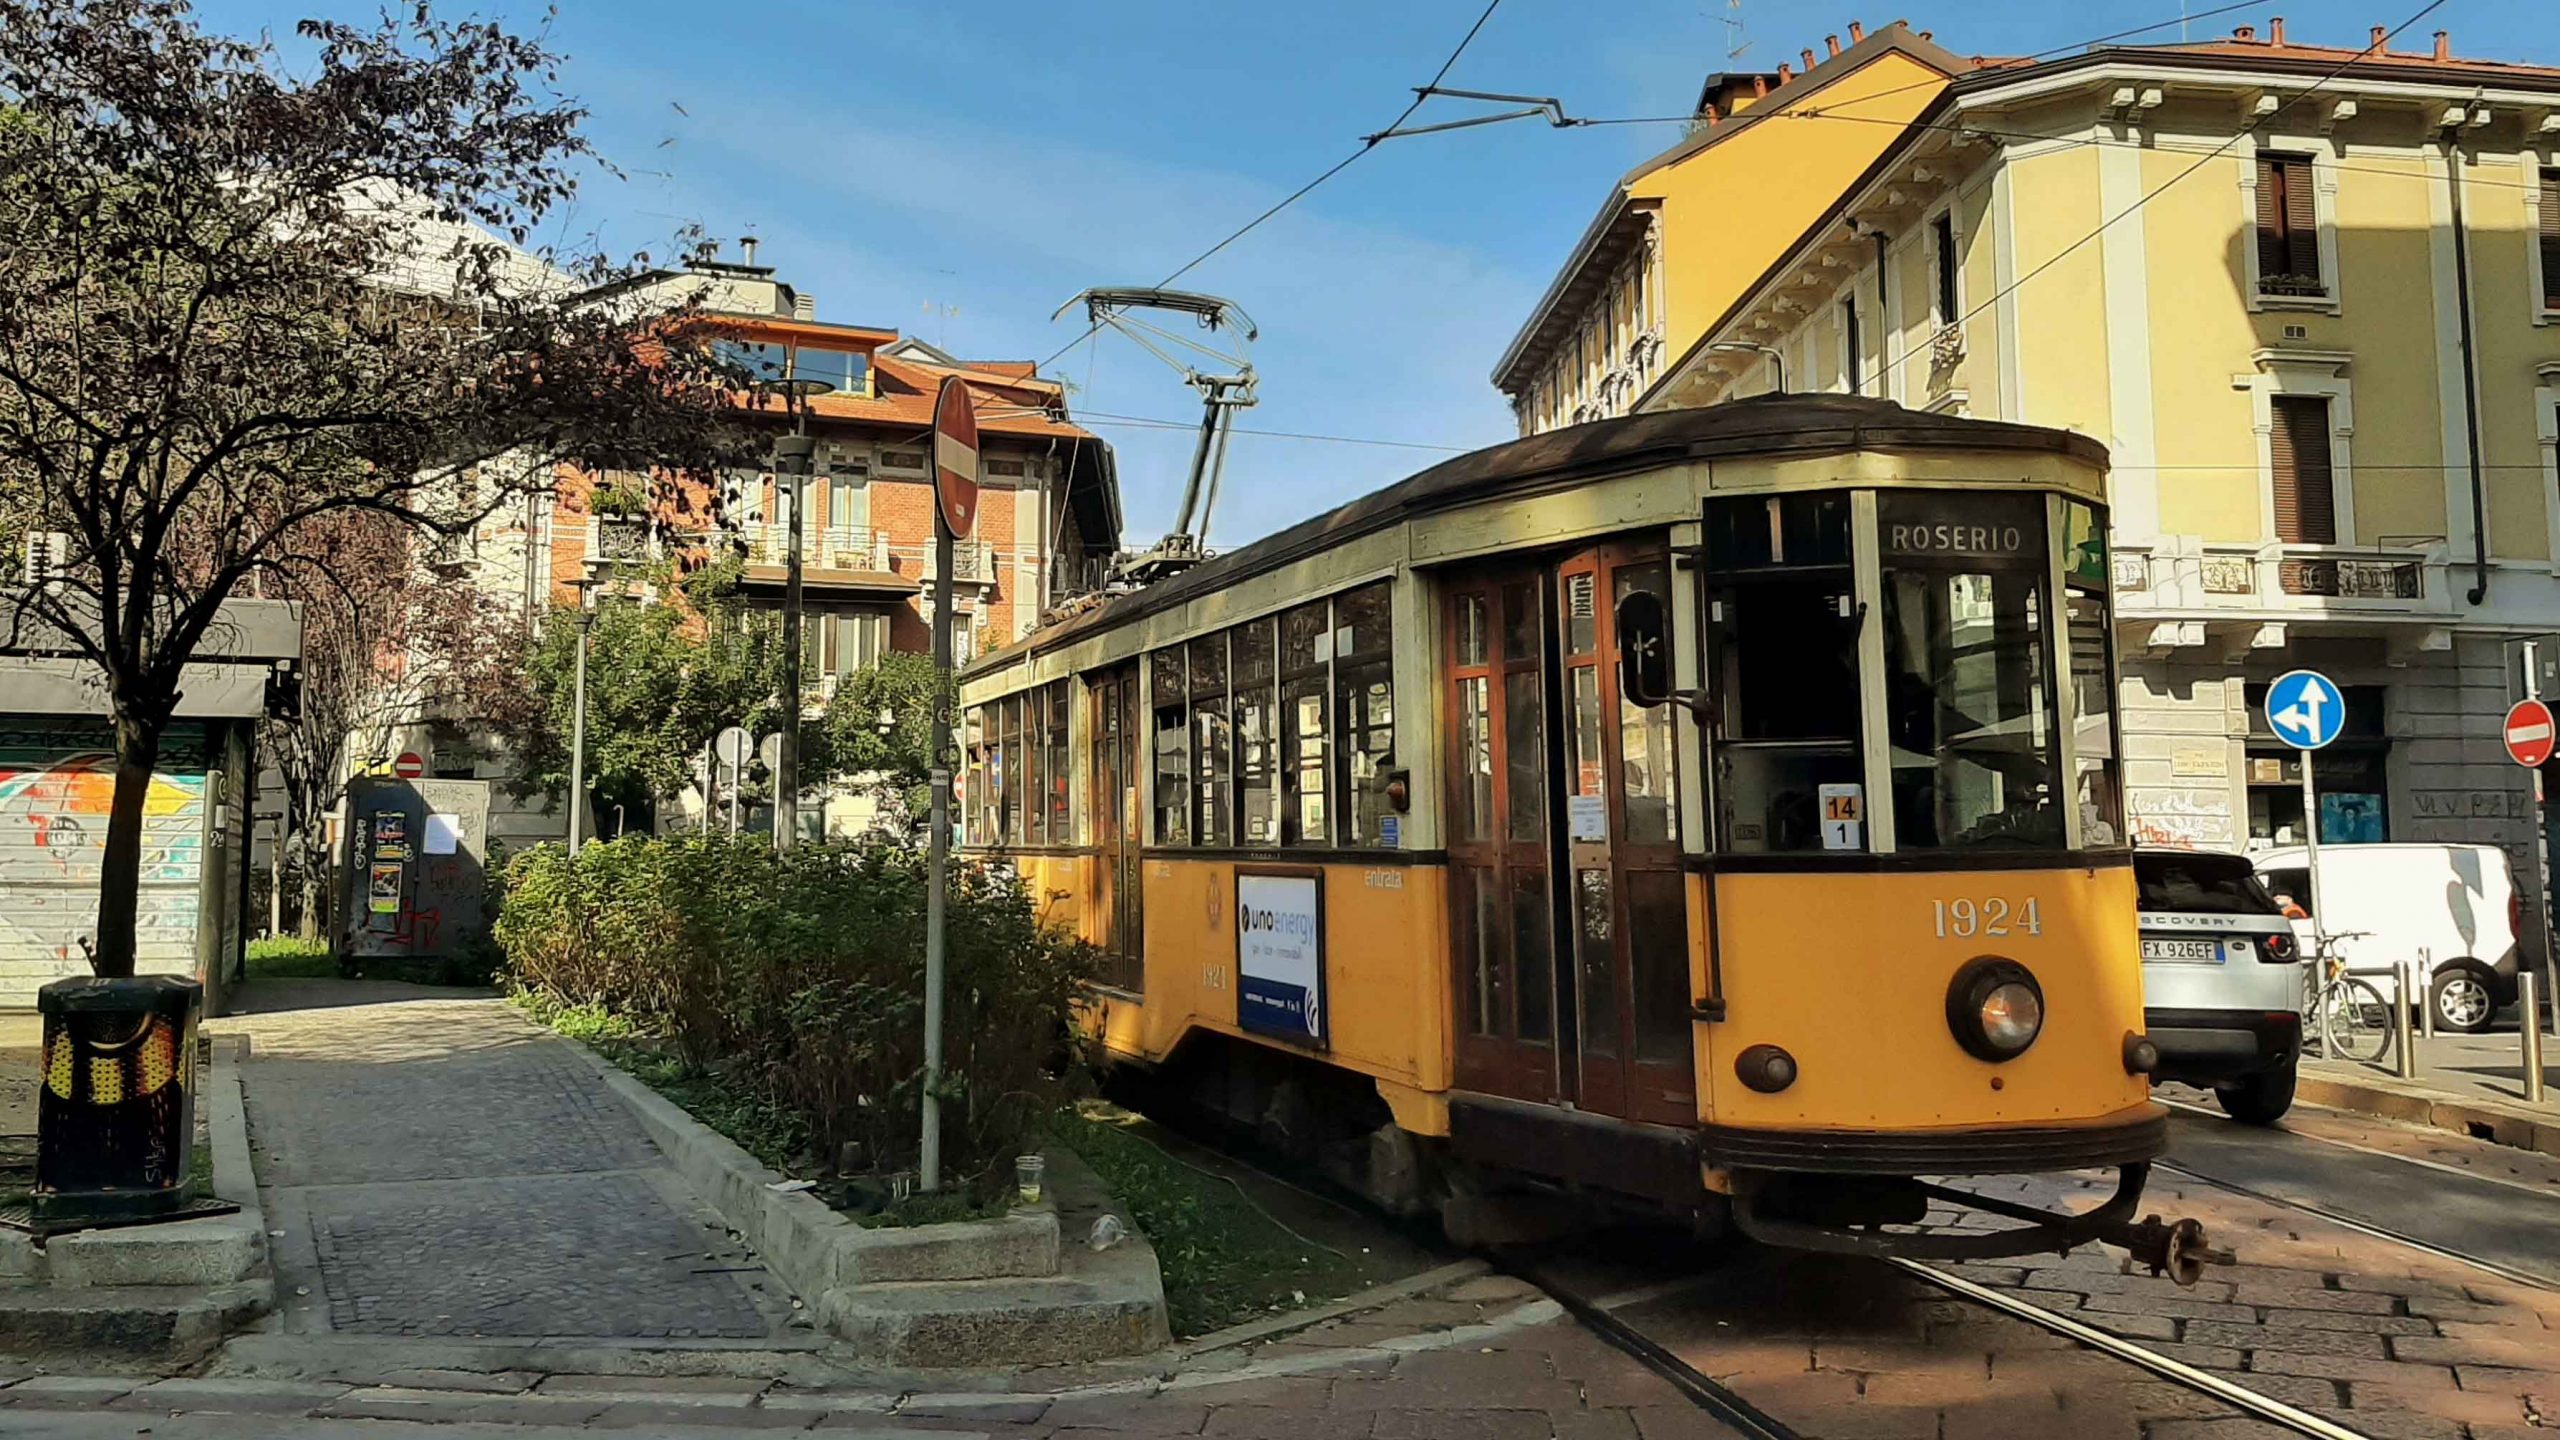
823 547
2184 574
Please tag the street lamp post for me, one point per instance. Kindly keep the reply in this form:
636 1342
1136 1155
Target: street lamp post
578 716
792 454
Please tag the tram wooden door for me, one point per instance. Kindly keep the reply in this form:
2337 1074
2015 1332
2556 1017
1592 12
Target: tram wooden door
1569 922
1119 928
1626 924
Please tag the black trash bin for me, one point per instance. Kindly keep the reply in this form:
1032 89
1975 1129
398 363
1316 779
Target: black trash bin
115 1112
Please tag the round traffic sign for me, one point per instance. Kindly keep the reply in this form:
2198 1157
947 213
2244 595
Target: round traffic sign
2528 733
955 456
732 746
2305 710
409 766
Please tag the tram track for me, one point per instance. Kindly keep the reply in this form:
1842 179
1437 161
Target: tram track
1602 1315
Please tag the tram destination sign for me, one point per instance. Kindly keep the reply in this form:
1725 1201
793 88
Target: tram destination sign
1927 525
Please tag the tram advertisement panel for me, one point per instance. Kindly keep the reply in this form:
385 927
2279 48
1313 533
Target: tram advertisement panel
1280 955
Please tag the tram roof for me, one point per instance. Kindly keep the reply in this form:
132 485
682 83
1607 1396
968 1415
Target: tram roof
1756 425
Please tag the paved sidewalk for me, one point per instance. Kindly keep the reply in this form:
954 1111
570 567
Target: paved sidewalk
2468 1084
436 1166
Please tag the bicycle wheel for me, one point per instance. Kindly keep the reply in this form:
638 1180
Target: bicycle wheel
2355 1021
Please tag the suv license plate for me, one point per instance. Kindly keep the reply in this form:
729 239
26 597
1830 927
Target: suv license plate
2207 952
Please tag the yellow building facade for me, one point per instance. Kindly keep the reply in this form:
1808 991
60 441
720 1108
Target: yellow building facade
2308 295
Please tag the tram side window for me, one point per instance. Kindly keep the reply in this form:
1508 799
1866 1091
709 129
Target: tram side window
1306 643
1257 742
1781 624
1171 692
1968 672
1364 706
1035 767
2098 778
1055 765
1009 771
973 776
1210 740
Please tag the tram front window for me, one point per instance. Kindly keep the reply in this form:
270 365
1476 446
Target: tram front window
1970 718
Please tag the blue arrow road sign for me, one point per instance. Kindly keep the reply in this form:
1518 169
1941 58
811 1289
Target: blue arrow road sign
2305 710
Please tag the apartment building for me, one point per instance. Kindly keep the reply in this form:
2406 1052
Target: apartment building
2309 295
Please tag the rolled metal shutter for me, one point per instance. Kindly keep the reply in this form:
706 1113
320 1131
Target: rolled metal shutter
56 782
2305 496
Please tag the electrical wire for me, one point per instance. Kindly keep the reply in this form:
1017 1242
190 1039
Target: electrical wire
1302 191
1150 422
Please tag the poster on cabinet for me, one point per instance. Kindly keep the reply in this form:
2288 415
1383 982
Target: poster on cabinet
1280 955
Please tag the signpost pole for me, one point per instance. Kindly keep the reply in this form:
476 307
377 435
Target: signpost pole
938 859
2311 848
955 483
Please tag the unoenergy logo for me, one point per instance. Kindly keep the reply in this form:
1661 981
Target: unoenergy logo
1295 925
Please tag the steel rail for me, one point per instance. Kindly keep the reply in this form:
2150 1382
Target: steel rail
2264 1407
1699 1388
2365 1227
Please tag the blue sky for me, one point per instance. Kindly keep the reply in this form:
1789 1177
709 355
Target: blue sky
959 170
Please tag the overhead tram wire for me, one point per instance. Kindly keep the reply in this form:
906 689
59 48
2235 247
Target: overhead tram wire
1302 191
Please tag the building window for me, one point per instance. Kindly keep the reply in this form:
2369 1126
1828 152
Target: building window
902 460
2550 238
841 642
1942 251
999 466
760 360
2305 492
2288 228
842 371
2350 779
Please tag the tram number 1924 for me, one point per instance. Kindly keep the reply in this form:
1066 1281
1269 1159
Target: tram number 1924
1963 919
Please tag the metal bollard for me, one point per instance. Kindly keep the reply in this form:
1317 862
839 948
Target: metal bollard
2525 988
2422 976
2403 1031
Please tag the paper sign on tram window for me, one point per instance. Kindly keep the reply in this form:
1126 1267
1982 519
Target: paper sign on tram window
1844 816
1587 818
444 834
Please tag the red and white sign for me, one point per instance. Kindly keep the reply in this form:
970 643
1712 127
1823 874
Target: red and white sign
2528 733
955 456
409 766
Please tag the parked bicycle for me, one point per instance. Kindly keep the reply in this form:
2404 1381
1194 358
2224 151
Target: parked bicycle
2349 1015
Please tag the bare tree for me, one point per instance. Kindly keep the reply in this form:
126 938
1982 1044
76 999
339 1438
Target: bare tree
237 303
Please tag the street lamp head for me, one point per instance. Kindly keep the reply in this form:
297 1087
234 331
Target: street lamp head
1777 360
793 454
887 724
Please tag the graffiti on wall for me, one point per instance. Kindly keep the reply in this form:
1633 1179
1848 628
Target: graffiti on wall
2179 818
55 793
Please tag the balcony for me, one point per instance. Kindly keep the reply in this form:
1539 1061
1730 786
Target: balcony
2182 587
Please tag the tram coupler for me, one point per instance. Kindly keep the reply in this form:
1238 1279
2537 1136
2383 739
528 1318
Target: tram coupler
2173 1248
1767 1213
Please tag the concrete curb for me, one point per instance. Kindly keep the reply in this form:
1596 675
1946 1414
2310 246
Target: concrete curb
2506 1124
926 1295
170 1290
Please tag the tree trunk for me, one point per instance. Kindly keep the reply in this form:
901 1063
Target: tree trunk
120 872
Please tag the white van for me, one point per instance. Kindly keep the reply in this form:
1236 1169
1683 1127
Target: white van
2453 909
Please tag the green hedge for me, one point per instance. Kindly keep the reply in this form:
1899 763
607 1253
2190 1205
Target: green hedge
801 978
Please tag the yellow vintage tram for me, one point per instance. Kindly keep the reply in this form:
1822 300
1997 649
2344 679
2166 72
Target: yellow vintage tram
1713 811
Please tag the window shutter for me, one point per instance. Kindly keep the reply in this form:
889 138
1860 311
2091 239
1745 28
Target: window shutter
2306 499
2301 222
2272 256
2551 239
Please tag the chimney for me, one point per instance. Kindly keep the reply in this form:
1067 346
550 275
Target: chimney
2244 33
747 248
1927 36
1784 75
804 307
1808 57
2444 44
2275 30
2381 35
1759 87
1857 33
1832 41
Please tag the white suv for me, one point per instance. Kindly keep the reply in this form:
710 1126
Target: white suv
2221 979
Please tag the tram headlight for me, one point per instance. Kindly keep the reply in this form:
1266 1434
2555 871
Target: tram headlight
1996 1008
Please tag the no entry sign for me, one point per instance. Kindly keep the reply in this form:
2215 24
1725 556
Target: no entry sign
410 766
2528 733
955 456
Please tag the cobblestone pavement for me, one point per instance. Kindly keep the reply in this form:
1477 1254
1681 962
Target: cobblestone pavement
439 1167
1483 1359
